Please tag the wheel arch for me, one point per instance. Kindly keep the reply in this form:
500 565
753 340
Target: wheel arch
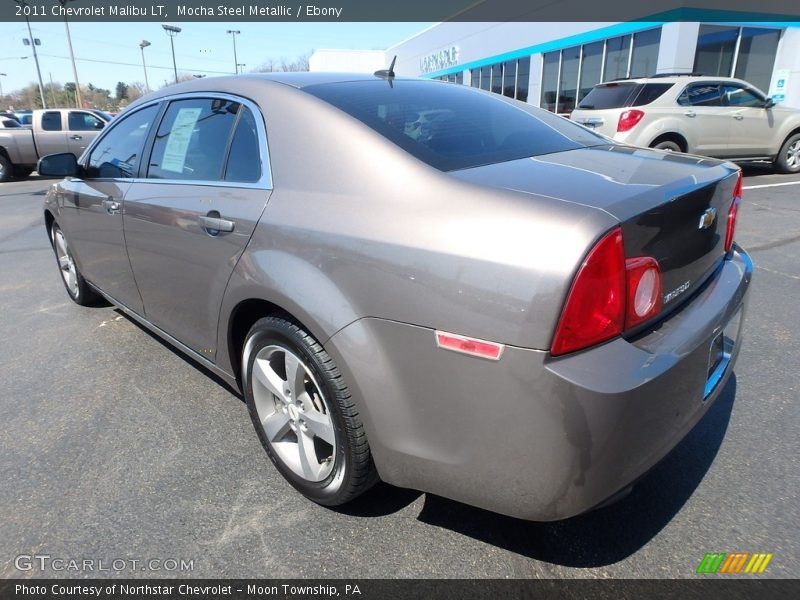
673 137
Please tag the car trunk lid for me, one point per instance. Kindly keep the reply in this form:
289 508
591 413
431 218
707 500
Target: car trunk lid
672 207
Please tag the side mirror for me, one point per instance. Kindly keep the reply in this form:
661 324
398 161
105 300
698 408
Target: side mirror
58 165
769 103
99 125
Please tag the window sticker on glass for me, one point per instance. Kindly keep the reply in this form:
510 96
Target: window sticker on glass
179 137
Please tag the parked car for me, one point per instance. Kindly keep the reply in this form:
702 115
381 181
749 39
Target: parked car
513 311
8 123
713 116
52 131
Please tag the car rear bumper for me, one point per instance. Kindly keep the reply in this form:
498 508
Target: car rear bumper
530 435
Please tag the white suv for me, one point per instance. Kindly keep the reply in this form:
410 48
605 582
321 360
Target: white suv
713 116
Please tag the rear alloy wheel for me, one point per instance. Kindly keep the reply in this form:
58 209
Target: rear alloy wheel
6 170
788 160
303 413
77 288
668 145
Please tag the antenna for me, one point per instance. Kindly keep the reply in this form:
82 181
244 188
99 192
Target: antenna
387 73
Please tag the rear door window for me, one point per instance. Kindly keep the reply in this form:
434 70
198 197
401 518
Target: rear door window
244 160
701 94
611 95
192 140
651 92
51 121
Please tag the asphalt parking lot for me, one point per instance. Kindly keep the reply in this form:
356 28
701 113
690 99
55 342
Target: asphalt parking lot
117 447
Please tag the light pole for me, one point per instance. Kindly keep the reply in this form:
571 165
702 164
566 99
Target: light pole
142 45
2 95
234 33
32 42
78 101
172 31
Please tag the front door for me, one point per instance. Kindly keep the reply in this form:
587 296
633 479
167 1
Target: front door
752 125
93 208
82 128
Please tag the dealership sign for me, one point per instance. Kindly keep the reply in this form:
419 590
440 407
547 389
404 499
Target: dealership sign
441 59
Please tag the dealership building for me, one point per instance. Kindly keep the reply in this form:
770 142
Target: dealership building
554 65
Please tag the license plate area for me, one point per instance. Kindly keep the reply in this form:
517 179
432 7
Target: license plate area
721 351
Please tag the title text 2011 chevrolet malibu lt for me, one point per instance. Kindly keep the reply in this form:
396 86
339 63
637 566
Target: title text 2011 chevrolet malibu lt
416 281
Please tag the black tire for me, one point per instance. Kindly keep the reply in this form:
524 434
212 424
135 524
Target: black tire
6 169
77 288
670 145
352 471
788 159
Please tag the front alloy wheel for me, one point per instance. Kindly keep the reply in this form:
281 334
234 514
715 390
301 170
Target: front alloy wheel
788 160
304 414
77 287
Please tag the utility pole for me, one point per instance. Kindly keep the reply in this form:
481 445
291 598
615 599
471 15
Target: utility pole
234 33
78 101
32 42
142 45
172 31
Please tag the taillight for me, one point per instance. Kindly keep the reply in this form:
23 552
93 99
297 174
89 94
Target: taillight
595 307
643 275
609 295
733 212
628 119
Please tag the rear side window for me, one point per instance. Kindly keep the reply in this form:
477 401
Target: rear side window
610 95
51 121
192 139
453 127
651 92
703 94
244 161
118 153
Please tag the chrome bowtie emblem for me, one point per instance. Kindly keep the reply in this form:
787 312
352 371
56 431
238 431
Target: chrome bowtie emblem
707 218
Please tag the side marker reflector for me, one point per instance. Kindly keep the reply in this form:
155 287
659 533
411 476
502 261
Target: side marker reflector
468 345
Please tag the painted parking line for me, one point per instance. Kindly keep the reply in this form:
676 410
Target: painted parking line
769 185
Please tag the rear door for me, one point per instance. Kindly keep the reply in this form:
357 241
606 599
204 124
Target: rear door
50 133
710 121
82 128
92 208
188 222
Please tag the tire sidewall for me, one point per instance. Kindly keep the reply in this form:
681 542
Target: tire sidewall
272 331
782 156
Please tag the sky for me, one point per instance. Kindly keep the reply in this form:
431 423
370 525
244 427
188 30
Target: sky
106 53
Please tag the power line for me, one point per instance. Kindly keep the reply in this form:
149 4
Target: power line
127 64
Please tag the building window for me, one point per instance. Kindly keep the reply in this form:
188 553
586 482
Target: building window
757 50
645 53
523 76
568 82
591 68
716 46
617 55
497 78
509 78
475 78
486 78
550 64
717 53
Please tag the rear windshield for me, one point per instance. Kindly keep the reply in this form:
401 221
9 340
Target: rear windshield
451 126
620 95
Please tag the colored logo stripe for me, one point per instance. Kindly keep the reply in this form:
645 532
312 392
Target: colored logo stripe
734 562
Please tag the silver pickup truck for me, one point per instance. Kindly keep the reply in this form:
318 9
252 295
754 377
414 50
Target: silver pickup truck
52 130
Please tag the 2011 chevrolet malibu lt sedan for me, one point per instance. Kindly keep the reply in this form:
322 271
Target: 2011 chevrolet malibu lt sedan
416 281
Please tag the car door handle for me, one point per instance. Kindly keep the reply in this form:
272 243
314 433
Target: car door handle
76 137
690 113
112 206
738 117
216 224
